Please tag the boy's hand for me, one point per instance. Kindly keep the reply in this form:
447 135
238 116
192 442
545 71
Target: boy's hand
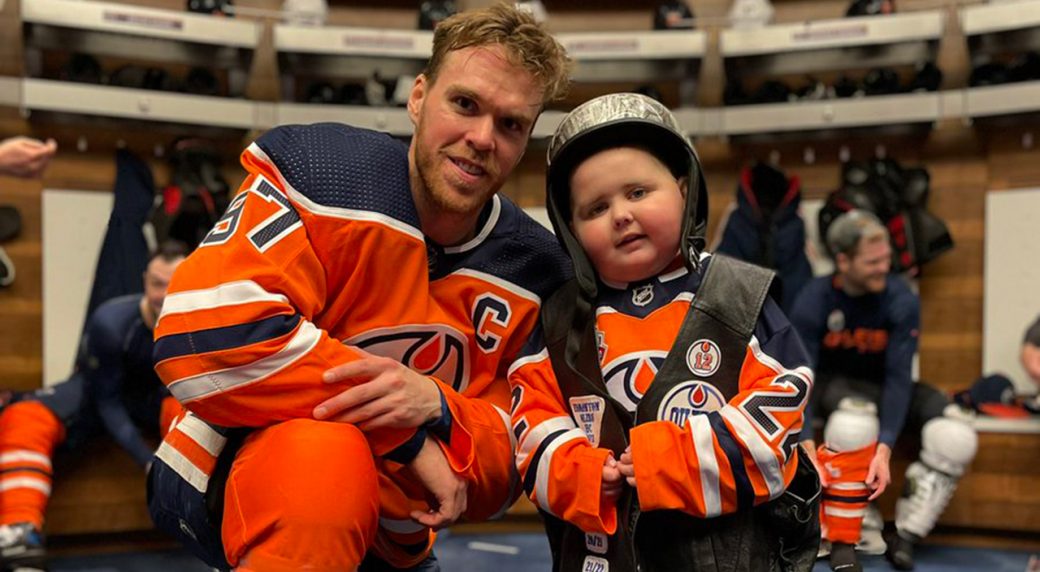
611 478
626 468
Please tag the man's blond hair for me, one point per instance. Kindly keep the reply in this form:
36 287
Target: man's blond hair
853 230
528 44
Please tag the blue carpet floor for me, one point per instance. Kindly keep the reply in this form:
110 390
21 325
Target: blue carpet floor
530 553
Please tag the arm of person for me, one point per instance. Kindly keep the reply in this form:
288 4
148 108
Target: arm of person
105 377
563 473
742 454
25 157
809 320
237 342
905 320
471 428
447 490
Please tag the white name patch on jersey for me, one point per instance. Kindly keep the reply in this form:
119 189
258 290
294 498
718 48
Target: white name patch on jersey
588 413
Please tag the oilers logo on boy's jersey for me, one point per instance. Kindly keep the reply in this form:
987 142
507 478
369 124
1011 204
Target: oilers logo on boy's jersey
703 455
689 398
322 253
628 376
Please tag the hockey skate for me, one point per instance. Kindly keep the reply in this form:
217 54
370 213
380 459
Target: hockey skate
900 551
843 558
21 548
871 541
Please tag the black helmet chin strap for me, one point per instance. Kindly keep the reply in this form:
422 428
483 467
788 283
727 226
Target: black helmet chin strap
695 217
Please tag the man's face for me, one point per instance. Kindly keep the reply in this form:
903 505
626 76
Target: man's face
156 279
1031 361
471 127
867 269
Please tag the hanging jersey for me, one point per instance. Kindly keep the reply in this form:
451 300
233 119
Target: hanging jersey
872 337
321 253
703 455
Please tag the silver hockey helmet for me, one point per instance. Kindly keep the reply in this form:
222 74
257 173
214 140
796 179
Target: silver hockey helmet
619 120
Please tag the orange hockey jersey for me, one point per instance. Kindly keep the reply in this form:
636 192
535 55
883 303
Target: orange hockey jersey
703 456
321 252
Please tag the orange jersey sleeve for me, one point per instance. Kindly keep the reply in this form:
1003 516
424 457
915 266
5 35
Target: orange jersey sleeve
562 470
243 337
741 454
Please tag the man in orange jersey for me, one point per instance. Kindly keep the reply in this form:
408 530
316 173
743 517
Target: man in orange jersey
860 327
113 388
341 336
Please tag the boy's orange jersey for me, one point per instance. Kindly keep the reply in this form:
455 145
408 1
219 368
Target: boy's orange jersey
321 253
717 458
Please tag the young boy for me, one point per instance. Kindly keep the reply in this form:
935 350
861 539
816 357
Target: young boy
648 438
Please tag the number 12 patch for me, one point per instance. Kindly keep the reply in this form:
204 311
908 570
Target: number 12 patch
703 358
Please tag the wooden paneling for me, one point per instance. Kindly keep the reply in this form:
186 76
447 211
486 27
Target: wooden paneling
114 485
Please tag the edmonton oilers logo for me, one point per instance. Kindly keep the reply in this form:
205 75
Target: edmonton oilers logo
703 358
628 376
689 398
429 349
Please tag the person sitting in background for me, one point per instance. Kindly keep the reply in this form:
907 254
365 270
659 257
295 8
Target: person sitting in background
996 395
25 157
860 327
113 386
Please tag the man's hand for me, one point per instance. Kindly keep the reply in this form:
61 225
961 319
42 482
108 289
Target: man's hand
447 490
878 475
387 394
25 157
626 468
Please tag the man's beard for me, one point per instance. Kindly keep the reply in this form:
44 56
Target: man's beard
435 192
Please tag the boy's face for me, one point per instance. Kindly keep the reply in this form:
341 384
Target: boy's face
627 213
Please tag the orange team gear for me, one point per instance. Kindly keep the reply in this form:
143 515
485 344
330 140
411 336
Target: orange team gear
29 433
846 492
113 387
322 252
720 458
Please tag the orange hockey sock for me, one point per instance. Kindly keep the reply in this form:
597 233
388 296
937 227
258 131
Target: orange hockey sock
846 493
29 431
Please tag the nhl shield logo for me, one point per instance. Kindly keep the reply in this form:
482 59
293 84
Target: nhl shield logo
643 295
703 358
687 399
